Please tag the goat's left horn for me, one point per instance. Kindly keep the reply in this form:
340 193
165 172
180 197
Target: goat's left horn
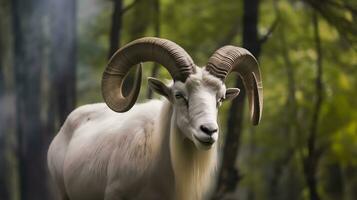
231 58
169 54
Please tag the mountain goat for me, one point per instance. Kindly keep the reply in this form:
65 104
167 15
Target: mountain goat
156 150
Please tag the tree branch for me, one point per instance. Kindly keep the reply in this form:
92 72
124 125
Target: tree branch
271 29
313 154
128 7
231 34
327 9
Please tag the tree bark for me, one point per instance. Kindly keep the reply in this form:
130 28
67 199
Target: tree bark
28 64
6 102
313 154
116 26
3 6
4 184
229 175
62 61
4 189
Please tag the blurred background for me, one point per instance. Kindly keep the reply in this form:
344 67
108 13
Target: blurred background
53 52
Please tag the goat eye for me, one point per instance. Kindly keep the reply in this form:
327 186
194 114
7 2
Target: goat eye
178 96
181 96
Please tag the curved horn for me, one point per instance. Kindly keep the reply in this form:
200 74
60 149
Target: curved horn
231 58
167 53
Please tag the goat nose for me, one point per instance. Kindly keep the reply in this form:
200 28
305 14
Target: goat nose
209 129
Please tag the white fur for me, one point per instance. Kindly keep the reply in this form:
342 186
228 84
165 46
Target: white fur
149 152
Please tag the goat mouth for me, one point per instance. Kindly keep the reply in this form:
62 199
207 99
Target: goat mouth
208 142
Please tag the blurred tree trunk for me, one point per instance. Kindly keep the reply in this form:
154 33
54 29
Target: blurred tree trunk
290 129
4 183
7 106
141 20
155 69
115 27
62 68
115 35
3 6
28 64
313 152
229 175
349 179
117 22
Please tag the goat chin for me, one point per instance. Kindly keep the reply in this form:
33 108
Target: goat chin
140 154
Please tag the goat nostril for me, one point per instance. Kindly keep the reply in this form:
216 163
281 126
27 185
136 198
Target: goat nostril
204 129
208 130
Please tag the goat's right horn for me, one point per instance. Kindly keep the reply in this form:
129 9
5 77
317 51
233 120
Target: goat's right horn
240 60
170 55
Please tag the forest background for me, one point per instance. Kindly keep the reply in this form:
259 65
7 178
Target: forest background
53 53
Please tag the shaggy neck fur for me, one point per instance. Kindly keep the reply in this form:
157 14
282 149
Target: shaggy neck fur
193 169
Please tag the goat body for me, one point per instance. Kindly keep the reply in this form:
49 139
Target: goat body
156 150
100 154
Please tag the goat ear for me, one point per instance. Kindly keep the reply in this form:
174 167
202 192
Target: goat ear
232 93
159 87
